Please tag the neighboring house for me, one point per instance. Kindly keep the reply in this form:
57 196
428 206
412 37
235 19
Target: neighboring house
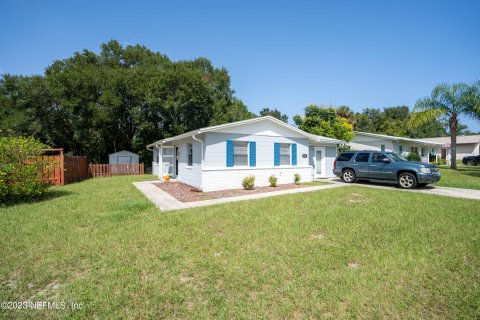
400 145
123 157
466 146
219 157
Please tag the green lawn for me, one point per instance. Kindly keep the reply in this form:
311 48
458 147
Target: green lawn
463 177
349 252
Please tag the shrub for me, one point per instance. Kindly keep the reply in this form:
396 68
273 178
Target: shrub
248 182
413 156
443 162
296 178
273 180
435 163
20 169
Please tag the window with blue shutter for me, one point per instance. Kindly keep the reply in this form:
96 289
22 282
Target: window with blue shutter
294 154
253 154
229 153
276 154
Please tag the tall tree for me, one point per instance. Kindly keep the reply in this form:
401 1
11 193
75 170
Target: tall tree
274 113
324 122
347 113
121 98
450 101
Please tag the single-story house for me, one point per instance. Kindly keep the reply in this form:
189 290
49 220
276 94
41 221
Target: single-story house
400 145
219 157
123 157
466 146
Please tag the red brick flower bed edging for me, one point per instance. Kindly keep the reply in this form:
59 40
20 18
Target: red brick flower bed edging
186 193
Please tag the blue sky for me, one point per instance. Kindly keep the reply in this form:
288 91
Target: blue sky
283 54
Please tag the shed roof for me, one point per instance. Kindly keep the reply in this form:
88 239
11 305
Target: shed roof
123 151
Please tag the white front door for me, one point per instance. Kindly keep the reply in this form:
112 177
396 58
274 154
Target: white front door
319 162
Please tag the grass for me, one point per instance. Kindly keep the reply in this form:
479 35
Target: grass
315 183
349 252
464 177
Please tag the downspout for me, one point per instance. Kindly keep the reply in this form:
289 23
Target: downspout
201 160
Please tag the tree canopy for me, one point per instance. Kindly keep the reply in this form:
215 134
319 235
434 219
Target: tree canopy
395 121
324 121
448 101
121 98
274 113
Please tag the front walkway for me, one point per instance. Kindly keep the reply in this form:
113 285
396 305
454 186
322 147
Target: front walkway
166 202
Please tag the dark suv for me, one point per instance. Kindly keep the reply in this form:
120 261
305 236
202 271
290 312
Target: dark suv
385 167
471 160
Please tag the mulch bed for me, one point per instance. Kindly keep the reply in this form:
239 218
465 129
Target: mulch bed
186 193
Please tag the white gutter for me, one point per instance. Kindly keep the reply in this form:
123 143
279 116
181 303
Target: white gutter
201 160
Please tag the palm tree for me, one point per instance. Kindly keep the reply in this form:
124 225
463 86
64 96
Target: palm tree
449 101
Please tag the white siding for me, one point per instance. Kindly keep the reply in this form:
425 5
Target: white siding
468 149
189 175
360 142
228 178
216 149
155 167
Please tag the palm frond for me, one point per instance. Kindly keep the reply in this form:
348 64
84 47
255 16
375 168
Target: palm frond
422 117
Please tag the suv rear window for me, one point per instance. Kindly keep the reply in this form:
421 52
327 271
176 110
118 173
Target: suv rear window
345 156
362 157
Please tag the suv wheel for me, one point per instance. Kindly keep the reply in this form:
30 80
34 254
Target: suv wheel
407 181
471 163
349 176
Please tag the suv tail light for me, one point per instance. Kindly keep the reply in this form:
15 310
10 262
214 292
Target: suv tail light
335 164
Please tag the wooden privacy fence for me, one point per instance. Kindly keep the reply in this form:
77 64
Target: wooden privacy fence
107 170
61 169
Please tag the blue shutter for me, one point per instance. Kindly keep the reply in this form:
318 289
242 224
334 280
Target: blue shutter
294 154
253 154
229 153
276 154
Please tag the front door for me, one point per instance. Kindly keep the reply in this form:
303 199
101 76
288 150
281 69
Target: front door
319 162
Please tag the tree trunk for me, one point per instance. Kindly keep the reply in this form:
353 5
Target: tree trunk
453 123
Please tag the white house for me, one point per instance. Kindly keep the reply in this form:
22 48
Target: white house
219 157
400 145
123 157
466 146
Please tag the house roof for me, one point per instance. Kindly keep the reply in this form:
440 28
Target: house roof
310 136
460 139
394 138
122 151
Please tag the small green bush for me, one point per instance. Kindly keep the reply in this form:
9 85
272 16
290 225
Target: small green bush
273 180
20 169
413 156
296 178
248 182
443 162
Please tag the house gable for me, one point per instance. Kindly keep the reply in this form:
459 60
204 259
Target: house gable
263 128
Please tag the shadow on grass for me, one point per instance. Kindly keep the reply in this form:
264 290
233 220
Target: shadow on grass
49 195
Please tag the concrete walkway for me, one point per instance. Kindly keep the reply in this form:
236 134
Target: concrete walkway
166 202
430 189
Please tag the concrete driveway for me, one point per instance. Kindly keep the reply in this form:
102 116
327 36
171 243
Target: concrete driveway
433 190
